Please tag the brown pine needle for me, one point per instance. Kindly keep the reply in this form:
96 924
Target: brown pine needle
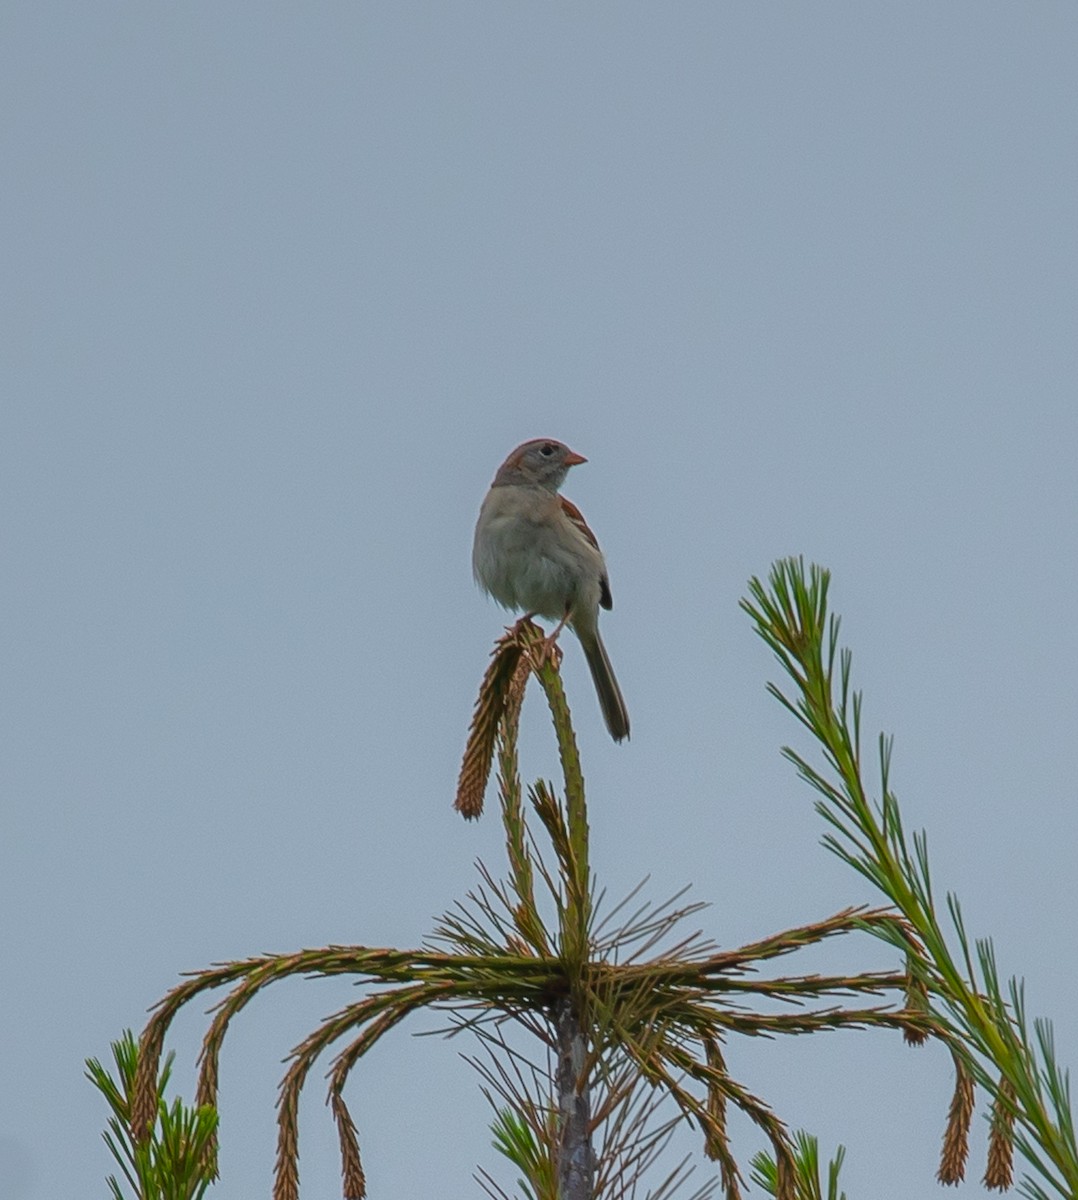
956 1138
286 1173
497 691
716 1140
144 1098
355 1182
917 1004
999 1173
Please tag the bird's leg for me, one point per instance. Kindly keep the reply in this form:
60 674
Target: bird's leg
519 624
549 642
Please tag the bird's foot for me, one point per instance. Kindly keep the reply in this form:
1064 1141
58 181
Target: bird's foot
549 649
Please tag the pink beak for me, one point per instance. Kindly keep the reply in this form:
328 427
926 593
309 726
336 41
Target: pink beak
572 459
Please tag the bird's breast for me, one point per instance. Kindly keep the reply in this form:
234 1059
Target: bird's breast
529 563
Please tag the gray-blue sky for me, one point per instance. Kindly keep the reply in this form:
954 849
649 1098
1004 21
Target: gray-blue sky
282 287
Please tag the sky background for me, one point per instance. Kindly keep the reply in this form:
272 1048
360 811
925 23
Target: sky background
283 285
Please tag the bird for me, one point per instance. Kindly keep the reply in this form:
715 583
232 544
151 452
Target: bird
534 553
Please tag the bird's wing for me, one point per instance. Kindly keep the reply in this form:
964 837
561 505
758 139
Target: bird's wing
576 517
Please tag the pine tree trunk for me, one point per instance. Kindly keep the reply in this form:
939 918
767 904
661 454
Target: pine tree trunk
576 1163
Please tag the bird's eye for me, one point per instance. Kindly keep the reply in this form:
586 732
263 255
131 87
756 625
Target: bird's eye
547 449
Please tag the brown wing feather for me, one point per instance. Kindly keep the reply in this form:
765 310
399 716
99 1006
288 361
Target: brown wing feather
577 517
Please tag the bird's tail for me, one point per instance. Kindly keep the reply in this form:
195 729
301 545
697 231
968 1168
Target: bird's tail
611 702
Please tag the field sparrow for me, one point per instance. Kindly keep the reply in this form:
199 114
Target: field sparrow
533 552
